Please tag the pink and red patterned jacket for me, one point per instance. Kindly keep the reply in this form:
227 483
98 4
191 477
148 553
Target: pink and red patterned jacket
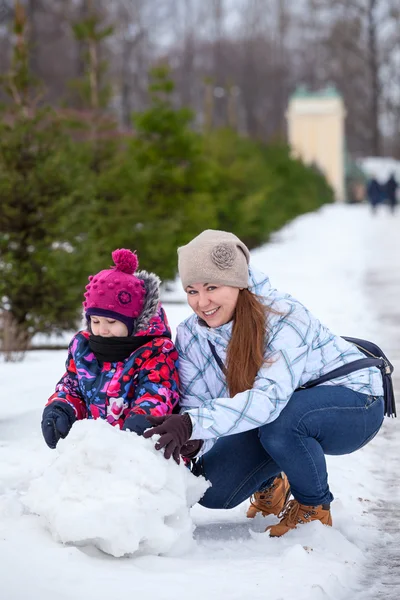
144 383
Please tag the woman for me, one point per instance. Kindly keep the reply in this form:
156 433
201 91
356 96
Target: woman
243 356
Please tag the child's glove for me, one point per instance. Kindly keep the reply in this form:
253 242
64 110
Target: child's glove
136 423
57 420
174 431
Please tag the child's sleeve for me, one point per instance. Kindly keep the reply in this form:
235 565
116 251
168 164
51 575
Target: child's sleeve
157 386
67 389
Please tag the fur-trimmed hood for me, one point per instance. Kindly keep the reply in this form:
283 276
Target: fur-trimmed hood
152 320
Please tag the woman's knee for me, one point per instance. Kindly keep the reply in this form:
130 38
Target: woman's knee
276 434
217 498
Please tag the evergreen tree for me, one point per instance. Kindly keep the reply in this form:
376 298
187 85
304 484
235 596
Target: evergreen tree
259 188
92 91
156 194
45 191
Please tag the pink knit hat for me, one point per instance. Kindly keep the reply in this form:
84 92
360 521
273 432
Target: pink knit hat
116 292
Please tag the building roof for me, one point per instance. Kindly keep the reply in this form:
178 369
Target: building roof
329 91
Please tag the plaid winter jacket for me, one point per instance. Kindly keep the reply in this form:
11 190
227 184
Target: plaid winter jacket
298 349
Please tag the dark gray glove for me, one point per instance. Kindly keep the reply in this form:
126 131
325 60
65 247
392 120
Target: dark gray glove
57 420
136 423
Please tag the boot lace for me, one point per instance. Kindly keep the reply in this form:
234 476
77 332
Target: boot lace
294 513
263 497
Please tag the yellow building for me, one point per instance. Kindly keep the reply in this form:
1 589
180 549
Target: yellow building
316 133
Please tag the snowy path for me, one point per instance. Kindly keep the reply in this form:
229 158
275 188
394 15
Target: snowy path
383 285
383 569
345 266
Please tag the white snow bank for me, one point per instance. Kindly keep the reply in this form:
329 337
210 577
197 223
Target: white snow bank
111 489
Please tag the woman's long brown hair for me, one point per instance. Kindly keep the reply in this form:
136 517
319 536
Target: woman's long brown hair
246 349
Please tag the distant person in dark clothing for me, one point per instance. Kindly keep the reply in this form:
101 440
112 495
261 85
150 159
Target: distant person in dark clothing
391 192
374 193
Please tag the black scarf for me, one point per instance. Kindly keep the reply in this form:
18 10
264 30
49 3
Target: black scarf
117 349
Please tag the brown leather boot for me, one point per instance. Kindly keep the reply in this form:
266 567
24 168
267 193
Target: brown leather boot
295 513
272 500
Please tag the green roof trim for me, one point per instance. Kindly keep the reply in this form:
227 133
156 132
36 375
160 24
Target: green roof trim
329 91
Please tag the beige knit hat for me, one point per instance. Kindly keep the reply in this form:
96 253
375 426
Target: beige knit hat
214 257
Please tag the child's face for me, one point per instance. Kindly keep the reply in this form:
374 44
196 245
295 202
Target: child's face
107 327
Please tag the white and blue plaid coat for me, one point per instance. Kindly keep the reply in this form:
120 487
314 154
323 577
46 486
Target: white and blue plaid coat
299 349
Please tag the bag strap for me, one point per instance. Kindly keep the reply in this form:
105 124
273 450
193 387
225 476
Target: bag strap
217 357
383 365
355 365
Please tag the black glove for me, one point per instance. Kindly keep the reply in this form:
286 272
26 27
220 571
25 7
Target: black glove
191 448
57 420
136 423
175 431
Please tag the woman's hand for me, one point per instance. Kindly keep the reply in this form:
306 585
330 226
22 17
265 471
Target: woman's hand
175 431
191 449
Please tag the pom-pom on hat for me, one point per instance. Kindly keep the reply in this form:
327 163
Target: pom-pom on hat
116 292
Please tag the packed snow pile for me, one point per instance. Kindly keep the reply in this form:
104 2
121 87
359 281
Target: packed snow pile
111 489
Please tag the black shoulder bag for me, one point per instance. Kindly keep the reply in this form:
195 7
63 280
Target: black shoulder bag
375 358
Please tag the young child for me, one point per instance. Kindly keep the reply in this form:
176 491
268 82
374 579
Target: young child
124 366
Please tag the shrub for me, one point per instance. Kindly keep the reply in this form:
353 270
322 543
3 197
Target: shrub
258 188
44 190
155 194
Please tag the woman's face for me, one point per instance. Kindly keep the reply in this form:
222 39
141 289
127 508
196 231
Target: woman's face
107 327
215 304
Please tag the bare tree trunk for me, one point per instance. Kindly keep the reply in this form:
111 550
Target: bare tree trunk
128 48
208 107
126 108
187 66
373 60
282 71
14 339
220 110
82 12
33 9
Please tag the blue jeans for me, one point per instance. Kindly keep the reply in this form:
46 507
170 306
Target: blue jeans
322 420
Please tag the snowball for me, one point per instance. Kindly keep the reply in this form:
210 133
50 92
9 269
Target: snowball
112 489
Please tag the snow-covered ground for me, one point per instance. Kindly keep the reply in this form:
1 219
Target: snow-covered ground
344 265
